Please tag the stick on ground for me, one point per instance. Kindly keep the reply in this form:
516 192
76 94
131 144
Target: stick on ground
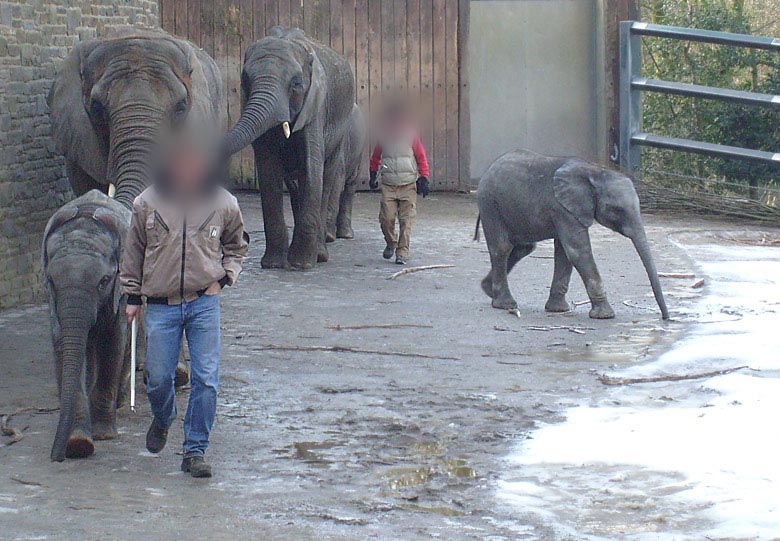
680 275
377 326
7 430
347 349
608 380
411 270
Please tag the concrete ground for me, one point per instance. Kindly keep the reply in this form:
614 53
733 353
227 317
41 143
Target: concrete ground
405 440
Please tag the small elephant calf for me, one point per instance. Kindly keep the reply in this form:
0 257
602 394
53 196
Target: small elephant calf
525 198
81 249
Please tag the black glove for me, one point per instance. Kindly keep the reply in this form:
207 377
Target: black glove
373 183
422 187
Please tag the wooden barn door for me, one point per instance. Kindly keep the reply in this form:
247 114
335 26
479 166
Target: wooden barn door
413 46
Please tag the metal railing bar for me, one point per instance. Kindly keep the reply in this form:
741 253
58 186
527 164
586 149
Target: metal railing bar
709 149
705 36
706 92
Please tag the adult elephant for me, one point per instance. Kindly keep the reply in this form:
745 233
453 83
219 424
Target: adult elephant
81 249
525 197
114 101
299 96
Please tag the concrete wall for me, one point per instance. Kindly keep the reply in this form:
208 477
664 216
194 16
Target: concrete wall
35 35
536 78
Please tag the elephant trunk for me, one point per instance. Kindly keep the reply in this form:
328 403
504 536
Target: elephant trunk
71 350
263 110
643 249
135 137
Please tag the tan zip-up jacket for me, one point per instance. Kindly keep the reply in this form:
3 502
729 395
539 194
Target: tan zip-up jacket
175 253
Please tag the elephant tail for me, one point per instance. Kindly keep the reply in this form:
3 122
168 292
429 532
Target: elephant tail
476 229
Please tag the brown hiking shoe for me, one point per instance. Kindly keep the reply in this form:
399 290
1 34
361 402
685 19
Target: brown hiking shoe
196 466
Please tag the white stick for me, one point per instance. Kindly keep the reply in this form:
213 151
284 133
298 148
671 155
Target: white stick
133 347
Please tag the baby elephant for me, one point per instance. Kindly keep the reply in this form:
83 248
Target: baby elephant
81 250
525 197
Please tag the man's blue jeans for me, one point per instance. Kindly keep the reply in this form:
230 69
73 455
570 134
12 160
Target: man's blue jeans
199 320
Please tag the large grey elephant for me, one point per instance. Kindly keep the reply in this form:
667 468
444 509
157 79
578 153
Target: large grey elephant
299 97
82 245
114 100
525 197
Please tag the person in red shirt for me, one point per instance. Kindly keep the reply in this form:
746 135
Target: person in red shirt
400 168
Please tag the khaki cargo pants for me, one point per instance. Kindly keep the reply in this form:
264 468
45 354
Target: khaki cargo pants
400 200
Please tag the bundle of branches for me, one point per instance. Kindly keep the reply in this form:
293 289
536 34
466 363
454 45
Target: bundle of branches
655 197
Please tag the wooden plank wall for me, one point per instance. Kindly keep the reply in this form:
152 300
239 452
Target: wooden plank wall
411 46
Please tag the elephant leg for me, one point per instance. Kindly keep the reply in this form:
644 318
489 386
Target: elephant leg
109 362
500 247
344 218
80 444
576 243
308 233
270 174
333 186
560 282
81 182
518 252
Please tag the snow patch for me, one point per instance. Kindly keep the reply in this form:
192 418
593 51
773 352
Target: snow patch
703 462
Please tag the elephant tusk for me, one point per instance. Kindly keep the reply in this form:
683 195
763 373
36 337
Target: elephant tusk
286 129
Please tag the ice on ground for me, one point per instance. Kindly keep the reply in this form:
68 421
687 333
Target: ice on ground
685 460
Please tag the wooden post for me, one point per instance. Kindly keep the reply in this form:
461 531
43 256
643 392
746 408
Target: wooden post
464 112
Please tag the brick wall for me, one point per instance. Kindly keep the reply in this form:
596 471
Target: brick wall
35 35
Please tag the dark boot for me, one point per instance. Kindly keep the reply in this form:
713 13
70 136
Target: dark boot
156 437
400 260
389 251
196 466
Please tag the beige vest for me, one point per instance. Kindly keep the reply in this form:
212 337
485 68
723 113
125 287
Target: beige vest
399 166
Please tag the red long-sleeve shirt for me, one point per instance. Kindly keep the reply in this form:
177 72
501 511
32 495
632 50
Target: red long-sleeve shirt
419 156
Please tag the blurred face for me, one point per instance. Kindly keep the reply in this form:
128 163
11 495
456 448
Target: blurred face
186 171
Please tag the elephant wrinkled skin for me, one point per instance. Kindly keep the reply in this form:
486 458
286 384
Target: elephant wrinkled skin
299 113
81 250
525 198
114 101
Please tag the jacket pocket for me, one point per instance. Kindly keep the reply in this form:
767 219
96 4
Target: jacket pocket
210 232
156 229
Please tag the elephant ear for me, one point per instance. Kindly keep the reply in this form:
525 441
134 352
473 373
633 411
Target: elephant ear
315 97
573 185
204 88
72 129
118 229
60 217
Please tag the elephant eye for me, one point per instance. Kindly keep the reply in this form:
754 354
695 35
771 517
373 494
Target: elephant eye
105 282
180 109
96 109
296 85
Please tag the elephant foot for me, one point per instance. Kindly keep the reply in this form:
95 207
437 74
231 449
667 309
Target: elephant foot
345 232
557 305
505 303
322 255
182 376
103 430
487 286
300 265
330 236
601 310
274 260
79 445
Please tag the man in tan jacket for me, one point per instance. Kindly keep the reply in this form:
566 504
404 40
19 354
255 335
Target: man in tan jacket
186 242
